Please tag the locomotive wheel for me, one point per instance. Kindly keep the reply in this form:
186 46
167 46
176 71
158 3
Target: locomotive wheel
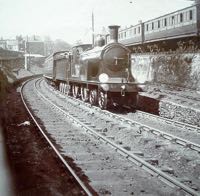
93 97
102 100
65 89
61 87
84 94
75 91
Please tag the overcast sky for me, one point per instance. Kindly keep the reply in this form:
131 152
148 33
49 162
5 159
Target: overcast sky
70 20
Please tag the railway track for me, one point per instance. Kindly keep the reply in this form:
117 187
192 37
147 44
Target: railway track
179 129
182 125
86 191
186 97
81 116
172 130
144 122
109 172
172 138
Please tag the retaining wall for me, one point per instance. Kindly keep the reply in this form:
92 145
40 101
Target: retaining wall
172 69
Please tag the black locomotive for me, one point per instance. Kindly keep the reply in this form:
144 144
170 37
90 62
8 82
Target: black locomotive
99 74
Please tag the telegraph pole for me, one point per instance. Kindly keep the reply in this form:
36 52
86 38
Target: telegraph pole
25 55
92 28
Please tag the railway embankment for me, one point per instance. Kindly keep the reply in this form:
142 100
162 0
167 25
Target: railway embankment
172 69
7 83
172 85
26 164
24 149
181 105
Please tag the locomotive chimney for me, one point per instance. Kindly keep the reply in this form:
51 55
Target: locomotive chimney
113 33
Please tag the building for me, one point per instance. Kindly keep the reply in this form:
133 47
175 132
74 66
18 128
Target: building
9 44
12 45
11 59
35 47
3 44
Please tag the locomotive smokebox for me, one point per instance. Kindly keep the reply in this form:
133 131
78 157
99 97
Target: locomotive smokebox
114 33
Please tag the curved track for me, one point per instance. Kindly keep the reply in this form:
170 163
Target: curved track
68 168
73 113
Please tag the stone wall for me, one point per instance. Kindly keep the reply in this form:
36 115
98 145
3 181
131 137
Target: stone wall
179 113
172 69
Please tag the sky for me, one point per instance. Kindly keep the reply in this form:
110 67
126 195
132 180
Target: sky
70 20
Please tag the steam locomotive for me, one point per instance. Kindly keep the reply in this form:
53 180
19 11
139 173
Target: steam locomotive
100 75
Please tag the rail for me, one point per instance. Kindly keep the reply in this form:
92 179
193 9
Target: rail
51 144
140 162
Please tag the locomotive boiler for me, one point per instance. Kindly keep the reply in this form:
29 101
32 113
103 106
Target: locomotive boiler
100 74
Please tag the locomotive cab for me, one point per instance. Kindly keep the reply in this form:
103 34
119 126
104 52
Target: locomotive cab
77 66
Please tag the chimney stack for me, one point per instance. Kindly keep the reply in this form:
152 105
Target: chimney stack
114 33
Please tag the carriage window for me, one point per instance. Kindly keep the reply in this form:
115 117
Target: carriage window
158 23
152 25
181 17
138 29
173 20
147 27
191 15
124 34
134 30
165 22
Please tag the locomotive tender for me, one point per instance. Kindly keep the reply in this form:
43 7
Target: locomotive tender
165 32
99 74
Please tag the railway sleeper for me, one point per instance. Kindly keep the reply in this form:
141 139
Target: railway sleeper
167 182
152 161
136 162
111 137
138 153
150 171
184 180
167 170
